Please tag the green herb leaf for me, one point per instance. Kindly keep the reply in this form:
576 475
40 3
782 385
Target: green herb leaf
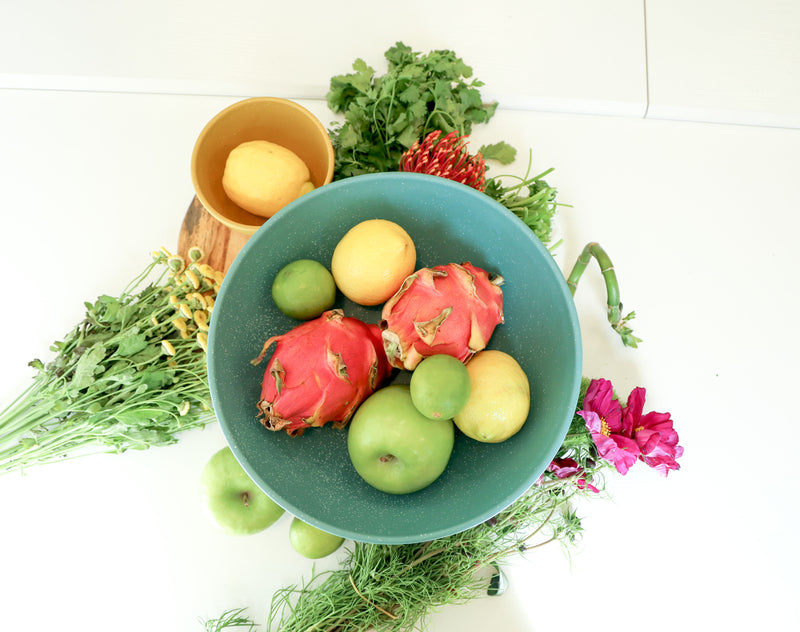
155 379
87 366
131 343
502 152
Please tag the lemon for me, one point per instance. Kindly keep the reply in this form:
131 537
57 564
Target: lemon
372 260
499 400
303 289
263 177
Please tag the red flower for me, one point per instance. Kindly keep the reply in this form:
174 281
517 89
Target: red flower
653 433
565 468
610 429
447 157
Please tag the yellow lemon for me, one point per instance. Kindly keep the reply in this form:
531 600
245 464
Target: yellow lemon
263 177
372 260
500 398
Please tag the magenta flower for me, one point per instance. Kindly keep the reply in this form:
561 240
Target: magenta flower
611 431
566 468
653 433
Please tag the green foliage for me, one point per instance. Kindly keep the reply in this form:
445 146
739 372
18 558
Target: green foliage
230 619
111 386
578 443
502 152
529 198
624 331
385 114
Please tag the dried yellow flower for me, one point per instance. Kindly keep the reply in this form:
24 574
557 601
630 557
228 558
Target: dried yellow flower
201 318
192 279
166 345
206 270
196 296
176 264
196 253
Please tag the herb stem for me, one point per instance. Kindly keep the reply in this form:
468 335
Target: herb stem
374 605
424 557
536 546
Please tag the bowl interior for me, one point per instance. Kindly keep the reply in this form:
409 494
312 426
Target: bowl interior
311 476
260 118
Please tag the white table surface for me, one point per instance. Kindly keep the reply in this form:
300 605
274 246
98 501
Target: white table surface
700 219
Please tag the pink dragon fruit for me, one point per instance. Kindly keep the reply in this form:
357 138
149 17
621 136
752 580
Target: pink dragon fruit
320 372
450 309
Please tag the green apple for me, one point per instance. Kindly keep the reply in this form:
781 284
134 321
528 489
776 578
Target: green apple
231 500
311 542
393 446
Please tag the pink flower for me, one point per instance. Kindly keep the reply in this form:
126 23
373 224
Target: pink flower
566 468
653 433
611 431
624 435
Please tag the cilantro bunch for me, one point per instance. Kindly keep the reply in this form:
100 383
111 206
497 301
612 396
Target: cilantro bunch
385 114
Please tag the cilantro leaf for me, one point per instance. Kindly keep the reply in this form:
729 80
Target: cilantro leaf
502 152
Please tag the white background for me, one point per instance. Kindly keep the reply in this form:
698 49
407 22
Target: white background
673 130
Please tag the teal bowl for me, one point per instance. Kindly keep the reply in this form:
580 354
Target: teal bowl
311 476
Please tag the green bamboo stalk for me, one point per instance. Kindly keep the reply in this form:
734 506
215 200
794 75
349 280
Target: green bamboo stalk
619 323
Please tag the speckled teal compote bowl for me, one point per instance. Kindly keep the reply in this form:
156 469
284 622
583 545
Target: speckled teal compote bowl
311 476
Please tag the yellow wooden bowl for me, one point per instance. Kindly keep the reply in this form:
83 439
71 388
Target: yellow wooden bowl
260 118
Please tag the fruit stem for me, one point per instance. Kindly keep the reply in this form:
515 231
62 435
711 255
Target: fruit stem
245 499
387 457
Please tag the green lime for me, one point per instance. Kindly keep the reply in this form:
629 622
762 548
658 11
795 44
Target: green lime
440 386
303 289
311 542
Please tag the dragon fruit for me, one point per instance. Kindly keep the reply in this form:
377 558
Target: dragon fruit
450 309
320 372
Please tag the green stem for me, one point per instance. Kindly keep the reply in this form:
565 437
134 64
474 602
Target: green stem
426 130
613 303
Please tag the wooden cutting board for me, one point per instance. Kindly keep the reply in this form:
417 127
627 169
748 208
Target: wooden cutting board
219 243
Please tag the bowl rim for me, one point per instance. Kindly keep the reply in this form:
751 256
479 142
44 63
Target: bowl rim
249 229
509 496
